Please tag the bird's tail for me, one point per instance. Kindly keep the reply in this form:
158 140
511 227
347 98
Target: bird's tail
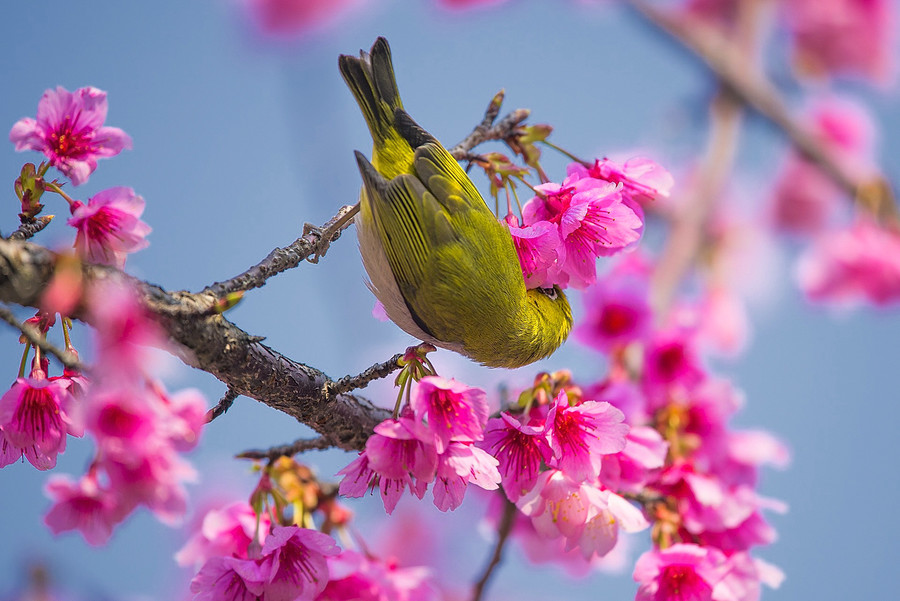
371 79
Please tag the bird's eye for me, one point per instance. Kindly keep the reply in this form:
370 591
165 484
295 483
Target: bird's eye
549 293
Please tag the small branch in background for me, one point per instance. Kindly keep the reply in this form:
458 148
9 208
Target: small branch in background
503 530
27 230
690 223
223 405
289 450
313 243
727 61
33 336
376 372
688 226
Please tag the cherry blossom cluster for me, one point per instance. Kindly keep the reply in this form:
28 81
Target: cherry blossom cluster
259 550
707 515
139 429
432 441
594 212
69 130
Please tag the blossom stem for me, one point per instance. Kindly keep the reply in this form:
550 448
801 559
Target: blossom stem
56 188
503 530
565 153
24 361
34 337
65 328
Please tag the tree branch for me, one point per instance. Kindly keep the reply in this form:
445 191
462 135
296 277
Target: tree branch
223 405
208 341
27 230
503 529
289 450
33 336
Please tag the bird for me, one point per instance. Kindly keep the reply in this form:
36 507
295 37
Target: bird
444 267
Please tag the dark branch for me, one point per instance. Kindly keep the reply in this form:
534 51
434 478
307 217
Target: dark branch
289 450
222 406
313 243
27 230
377 371
503 529
210 342
482 133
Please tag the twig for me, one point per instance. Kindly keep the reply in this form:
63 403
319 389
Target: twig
289 450
725 60
223 405
377 371
33 336
689 226
688 229
27 230
312 243
503 530
504 129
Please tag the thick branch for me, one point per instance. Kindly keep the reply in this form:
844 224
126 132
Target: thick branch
208 341
27 230
727 62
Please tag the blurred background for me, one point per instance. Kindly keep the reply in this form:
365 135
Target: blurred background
239 140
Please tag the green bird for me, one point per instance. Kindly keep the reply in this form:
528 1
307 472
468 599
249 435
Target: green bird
444 267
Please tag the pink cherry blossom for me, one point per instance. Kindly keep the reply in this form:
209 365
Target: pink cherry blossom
840 37
293 17
394 451
540 251
446 410
109 226
299 570
36 416
593 221
230 579
123 330
682 571
860 263
84 506
460 465
580 435
588 517
69 130
617 312
358 577
223 532
635 466
804 199
743 576
642 179
519 449
671 358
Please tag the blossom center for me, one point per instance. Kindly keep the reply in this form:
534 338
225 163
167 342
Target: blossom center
66 142
616 320
681 582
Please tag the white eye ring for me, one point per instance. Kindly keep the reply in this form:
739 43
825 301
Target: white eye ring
549 293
